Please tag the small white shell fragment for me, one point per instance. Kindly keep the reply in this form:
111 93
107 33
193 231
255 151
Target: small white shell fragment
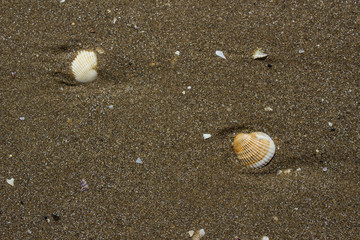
206 135
183 92
259 54
10 181
191 233
299 169
62 1
325 169
138 160
279 172
22 118
177 53
189 87
220 54
265 238
301 51
114 20
330 124
287 171
84 66
111 106
268 109
198 234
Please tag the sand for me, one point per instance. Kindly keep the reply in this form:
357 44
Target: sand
153 104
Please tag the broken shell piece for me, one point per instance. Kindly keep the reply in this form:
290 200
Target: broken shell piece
268 109
10 181
84 66
254 150
191 233
220 54
259 54
206 135
198 234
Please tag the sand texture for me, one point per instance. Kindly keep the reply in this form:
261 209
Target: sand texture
153 104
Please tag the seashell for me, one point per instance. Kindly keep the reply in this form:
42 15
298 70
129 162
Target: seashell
254 150
259 54
84 66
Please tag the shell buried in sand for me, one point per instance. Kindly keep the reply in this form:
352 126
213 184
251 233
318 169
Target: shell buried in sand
254 150
84 66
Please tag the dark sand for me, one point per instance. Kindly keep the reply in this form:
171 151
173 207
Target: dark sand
185 183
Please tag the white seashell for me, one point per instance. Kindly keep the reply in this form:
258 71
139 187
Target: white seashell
259 54
198 234
84 66
254 150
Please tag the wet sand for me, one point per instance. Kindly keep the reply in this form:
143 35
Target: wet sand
54 132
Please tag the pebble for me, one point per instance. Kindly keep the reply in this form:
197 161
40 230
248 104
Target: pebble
111 106
177 53
22 118
301 51
325 169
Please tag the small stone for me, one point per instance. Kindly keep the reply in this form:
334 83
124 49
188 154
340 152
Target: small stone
22 118
111 106
177 53
287 171
325 169
301 51
330 124
138 160
299 169
265 238
268 109
55 217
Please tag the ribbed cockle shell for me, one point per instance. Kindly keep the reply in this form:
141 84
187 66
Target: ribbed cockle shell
84 66
254 150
